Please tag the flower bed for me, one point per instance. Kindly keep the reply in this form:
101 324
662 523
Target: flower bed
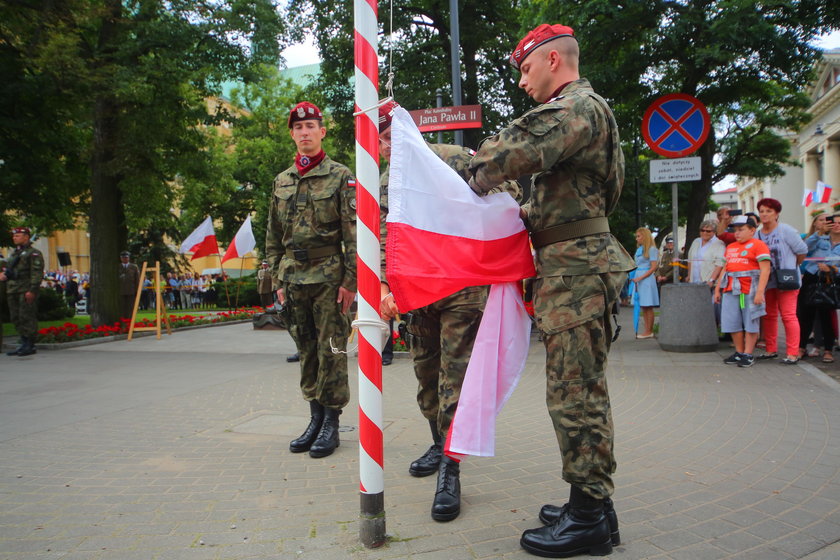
70 332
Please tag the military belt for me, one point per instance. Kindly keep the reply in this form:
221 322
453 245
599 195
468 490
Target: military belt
570 230
303 255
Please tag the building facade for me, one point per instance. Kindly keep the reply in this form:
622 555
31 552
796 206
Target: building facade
817 149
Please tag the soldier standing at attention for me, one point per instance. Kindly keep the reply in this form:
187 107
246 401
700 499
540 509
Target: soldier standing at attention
22 276
311 249
129 283
441 340
571 146
265 286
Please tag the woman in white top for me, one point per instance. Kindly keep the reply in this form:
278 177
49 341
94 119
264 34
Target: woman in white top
705 256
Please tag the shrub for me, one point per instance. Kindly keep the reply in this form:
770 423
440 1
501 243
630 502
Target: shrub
52 306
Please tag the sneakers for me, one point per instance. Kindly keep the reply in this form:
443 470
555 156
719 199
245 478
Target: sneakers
767 356
733 360
746 360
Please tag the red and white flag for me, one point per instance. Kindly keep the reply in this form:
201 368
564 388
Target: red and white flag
823 192
243 242
442 237
202 241
807 198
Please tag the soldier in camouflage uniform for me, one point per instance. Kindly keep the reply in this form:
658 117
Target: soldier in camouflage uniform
441 339
311 249
22 276
570 144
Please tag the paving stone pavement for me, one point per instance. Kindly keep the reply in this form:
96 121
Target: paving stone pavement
178 449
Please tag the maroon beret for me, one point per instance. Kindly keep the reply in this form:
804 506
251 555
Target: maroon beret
25 230
386 114
304 111
541 34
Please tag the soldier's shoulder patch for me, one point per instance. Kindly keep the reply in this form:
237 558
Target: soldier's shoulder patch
351 184
471 151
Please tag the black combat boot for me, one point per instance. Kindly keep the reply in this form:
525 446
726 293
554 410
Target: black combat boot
28 347
429 462
304 442
581 529
447 504
327 439
17 350
550 514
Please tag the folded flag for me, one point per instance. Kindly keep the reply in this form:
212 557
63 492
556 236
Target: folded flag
243 242
442 237
202 241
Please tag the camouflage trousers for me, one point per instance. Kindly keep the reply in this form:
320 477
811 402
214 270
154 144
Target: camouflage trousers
316 323
24 316
442 336
573 315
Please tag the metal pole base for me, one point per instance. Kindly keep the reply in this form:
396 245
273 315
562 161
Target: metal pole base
372 520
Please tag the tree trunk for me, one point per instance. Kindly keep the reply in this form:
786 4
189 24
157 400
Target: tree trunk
108 232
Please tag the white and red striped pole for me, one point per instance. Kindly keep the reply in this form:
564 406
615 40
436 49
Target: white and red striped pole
371 464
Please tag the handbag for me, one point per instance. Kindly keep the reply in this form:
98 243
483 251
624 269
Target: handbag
823 293
786 279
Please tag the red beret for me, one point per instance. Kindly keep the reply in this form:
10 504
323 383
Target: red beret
543 33
25 230
304 111
386 113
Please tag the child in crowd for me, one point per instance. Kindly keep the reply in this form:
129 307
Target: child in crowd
743 282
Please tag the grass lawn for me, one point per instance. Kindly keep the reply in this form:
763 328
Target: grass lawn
82 320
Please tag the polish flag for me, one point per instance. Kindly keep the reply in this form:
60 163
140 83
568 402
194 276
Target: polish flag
202 241
807 198
243 242
823 192
442 237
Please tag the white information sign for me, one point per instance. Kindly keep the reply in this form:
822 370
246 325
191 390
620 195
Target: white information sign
674 170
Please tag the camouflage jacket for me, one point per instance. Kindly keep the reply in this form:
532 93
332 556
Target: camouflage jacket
24 270
571 146
456 157
310 212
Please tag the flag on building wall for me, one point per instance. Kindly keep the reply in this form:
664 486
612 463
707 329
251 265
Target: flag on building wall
442 237
202 241
243 242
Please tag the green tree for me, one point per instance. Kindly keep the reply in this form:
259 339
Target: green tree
245 162
748 63
420 49
137 74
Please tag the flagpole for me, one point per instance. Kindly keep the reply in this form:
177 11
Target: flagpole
239 283
222 268
371 464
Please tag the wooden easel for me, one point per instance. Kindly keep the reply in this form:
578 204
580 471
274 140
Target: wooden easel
160 306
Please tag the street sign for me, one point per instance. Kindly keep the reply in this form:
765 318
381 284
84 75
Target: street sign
675 170
447 118
675 125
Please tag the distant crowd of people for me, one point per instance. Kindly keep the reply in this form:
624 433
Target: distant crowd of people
759 271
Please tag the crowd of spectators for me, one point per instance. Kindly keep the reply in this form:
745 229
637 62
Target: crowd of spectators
803 290
182 291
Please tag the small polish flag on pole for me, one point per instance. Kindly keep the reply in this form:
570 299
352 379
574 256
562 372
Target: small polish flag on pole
823 192
202 241
243 242
807 198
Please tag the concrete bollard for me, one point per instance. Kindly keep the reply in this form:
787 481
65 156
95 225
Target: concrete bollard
687 319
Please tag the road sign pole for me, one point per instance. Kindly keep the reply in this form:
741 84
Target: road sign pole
675 232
